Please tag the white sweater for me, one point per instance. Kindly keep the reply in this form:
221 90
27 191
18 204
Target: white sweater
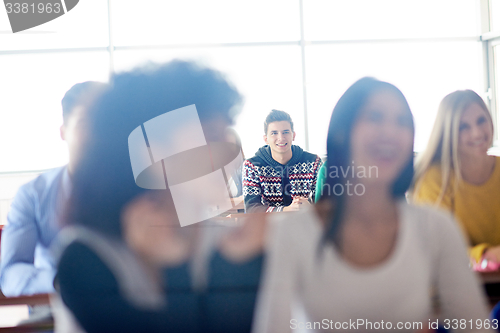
429 258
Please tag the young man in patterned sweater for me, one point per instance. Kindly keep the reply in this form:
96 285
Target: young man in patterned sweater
281 176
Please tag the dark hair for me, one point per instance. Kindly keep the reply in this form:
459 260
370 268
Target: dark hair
277 115
344 116
79 94
103 180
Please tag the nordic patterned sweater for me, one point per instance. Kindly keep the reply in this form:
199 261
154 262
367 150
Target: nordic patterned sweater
270 186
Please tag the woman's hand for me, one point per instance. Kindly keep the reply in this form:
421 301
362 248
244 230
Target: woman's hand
297 204
492 254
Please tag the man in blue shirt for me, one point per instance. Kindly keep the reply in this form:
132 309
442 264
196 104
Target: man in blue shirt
27 265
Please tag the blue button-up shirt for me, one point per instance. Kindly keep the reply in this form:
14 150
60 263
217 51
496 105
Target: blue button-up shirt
27 264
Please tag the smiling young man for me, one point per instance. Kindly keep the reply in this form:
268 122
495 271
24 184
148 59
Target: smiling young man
281 176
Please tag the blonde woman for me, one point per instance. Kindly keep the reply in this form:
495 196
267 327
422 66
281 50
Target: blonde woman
456 173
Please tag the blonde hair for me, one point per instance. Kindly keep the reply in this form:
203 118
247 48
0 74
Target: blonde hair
442 148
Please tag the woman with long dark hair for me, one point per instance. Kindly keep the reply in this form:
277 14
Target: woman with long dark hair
363 255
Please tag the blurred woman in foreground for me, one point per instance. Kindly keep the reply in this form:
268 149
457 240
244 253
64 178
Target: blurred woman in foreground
456 172
126 266
362 254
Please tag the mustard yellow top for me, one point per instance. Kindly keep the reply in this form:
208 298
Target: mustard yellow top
476 207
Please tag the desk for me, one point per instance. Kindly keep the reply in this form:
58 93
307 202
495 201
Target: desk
28 300
41 326
491 283
238 208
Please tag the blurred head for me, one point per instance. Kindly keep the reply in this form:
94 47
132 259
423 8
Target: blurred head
79 95
372 126
104 183
463 129
381 138
74 104
371 132
279 134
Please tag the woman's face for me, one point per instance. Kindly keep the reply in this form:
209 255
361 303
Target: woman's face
475 132
382 139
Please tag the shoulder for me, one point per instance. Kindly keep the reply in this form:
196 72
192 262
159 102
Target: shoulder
254 161
249 167
79 262
496 172
432 175
425 214
309 157
77 253
429 221
83 279
43 182
438 234
322 169
428 187
31 193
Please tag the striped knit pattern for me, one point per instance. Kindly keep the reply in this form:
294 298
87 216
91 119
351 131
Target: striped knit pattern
264 184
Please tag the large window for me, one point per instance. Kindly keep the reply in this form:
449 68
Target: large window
424 71
160 23
32 87
368 20
294 55
269 78
496 65
494 14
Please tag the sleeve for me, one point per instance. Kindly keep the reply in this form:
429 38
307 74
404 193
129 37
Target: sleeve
320 181
458 287
91 292
252 191
18 274
278 289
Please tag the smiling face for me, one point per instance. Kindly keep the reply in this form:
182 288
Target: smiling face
382 138
279 137
475 132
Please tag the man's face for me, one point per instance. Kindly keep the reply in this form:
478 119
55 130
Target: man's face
73 132
279 137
